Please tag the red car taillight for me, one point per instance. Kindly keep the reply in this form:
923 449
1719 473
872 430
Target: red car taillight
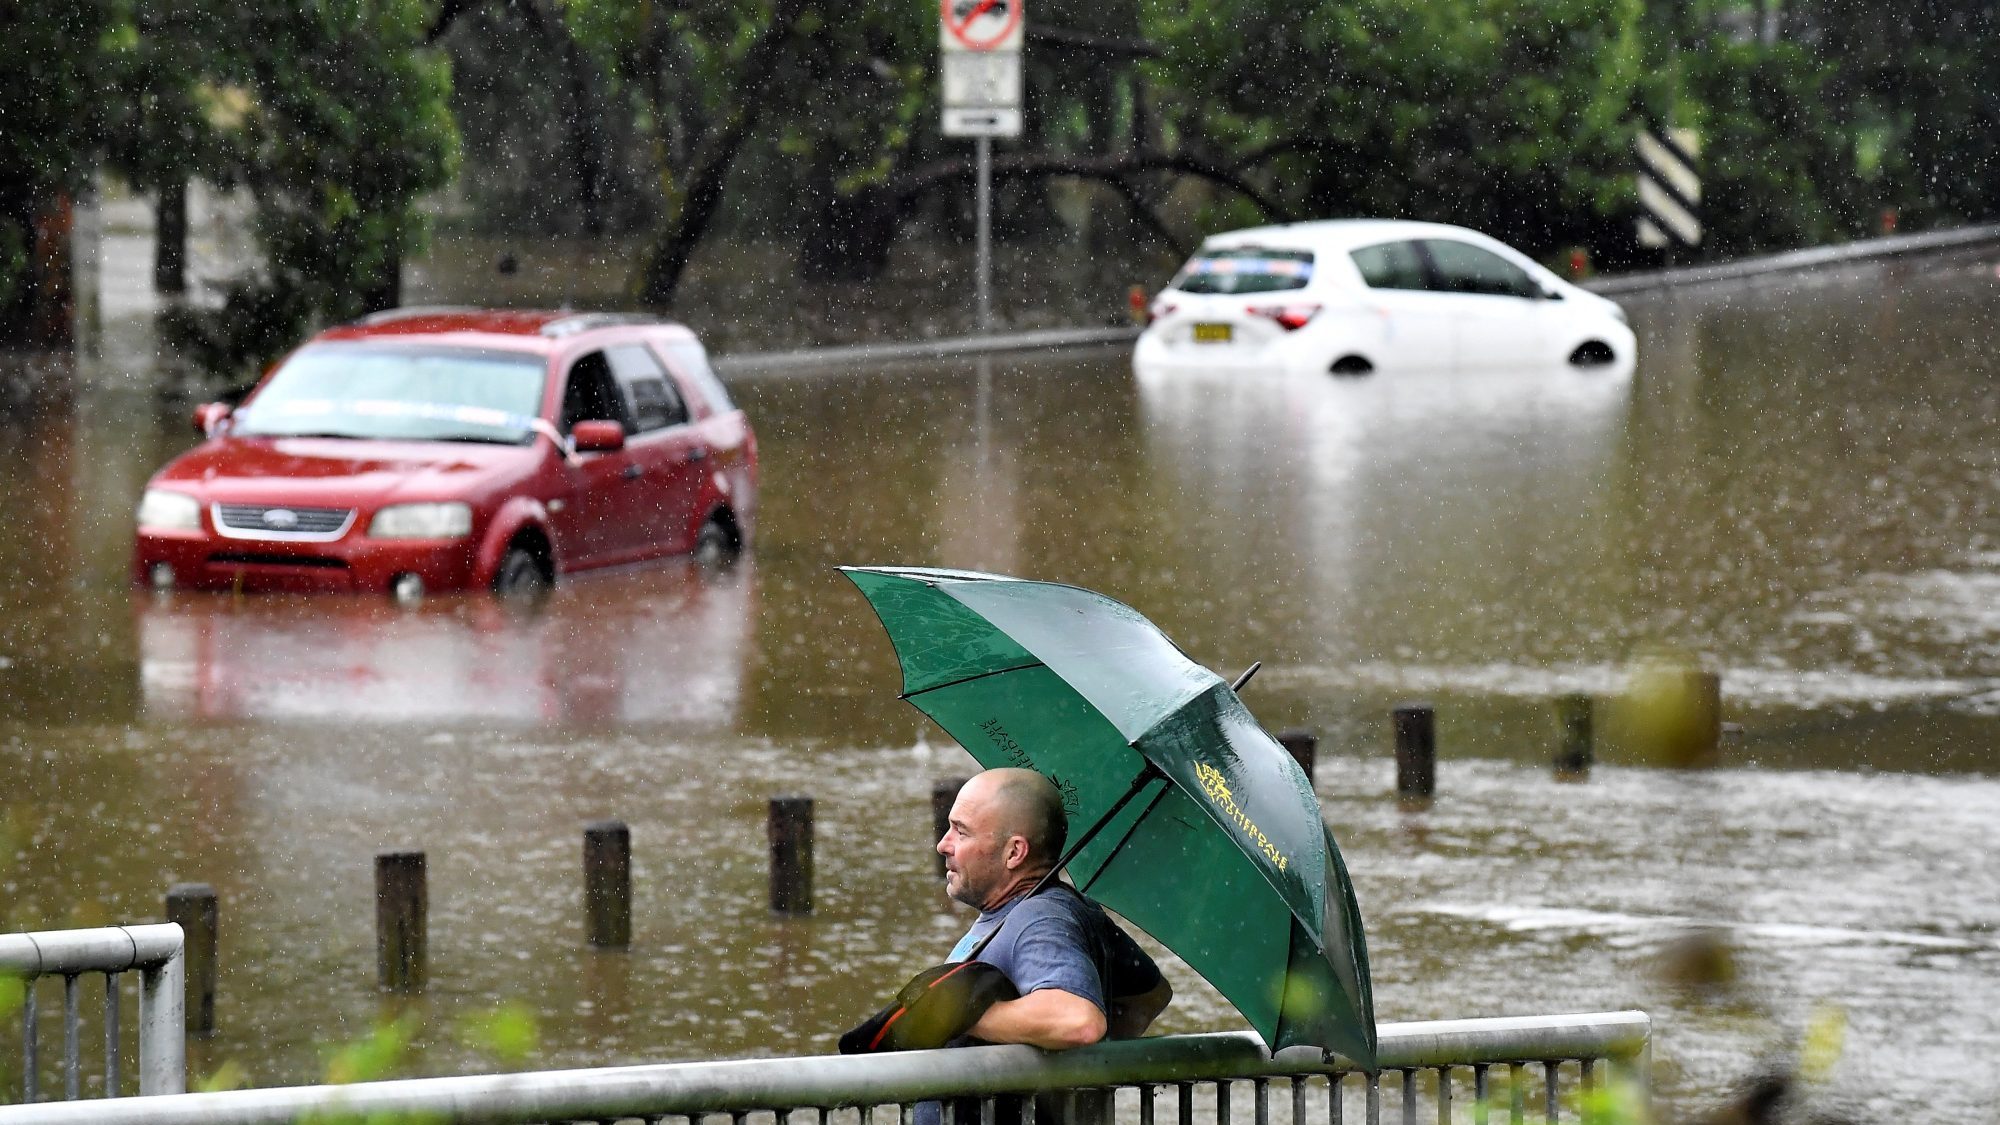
1159 309
1289 317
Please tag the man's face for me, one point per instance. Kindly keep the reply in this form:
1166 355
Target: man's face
974 849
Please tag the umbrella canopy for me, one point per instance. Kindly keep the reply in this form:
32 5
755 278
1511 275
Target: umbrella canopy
1208 835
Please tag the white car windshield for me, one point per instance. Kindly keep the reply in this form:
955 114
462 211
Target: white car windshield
1245 269
398 393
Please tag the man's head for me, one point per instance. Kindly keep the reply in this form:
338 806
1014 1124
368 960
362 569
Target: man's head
1007 830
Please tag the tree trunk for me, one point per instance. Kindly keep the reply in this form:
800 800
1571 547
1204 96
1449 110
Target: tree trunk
385 289
712 160
170 227
52 311
581 137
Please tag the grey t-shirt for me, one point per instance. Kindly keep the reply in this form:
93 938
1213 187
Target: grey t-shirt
1060 939
1055 939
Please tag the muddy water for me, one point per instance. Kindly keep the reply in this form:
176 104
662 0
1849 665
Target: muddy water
1799 486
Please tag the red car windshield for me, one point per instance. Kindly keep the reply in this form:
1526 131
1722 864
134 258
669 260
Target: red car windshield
398 393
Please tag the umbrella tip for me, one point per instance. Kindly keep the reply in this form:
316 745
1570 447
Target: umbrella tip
1245 677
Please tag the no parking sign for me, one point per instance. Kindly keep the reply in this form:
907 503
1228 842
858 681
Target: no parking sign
980 41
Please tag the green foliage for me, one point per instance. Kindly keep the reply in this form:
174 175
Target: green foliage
1774 173
1508 115
509 1032
340 122
50 117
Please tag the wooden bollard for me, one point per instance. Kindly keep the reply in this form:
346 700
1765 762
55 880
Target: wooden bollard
1416 751
401 903
1574 753
607 884
943 795
193 905
1303 746
790 830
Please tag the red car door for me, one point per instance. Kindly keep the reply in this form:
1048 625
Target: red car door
600 520
666 446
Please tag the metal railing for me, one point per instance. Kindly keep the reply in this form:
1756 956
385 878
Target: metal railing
154 952
1202 1072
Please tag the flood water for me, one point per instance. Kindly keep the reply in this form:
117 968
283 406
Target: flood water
1799 487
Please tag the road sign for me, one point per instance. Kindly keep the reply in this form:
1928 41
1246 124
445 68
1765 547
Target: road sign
981 67
980 25
964 122
1669 187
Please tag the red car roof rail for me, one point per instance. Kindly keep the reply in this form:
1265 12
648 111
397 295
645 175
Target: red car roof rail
582 322
404 312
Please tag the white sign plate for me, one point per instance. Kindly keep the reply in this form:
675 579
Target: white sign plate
962 121
982 80
980 25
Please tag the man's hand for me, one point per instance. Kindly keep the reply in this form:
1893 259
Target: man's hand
1131 1015
1047 1017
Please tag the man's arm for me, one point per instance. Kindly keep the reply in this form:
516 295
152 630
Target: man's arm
1047 1017
1132 1015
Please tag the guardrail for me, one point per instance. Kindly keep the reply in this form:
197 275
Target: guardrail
154 952
1436 1058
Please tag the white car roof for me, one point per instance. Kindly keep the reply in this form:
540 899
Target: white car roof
1334 235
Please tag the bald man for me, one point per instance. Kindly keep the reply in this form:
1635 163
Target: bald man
1080 977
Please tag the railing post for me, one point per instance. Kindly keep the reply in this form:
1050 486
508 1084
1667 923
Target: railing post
1574 753
193 907
607 883
401 902
163 1026
789 830
1416 752
1303 746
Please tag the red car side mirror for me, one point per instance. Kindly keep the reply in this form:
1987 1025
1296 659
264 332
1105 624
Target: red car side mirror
209 416
598 437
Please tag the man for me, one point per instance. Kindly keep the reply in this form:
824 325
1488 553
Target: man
1080 977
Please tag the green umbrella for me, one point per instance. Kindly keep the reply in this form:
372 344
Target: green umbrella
1193 823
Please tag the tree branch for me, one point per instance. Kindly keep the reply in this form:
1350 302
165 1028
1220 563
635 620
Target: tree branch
1108 168
1147 217
447 15
709 169
1062 38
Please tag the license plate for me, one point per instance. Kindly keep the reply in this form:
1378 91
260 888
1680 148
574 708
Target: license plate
1212 333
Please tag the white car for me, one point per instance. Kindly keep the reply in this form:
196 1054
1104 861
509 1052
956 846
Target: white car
1352 296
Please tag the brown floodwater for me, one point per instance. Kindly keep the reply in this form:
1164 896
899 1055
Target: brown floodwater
1799 487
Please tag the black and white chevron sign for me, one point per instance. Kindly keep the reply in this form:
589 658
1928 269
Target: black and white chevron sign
1669 188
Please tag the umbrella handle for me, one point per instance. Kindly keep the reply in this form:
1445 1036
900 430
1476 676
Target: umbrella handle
1245 677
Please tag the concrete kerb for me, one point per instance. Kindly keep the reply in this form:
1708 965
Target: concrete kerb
1793 261
785 363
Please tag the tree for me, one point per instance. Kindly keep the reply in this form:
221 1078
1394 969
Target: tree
1507 115
337 118
50 131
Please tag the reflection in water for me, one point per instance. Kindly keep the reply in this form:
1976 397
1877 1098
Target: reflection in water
662 644
1414 506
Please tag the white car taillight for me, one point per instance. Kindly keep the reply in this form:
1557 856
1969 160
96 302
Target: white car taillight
1289 317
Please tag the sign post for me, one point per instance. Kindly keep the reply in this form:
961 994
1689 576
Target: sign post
980 48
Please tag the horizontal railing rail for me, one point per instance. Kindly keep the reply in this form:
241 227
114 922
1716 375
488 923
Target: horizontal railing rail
831 1083
154 951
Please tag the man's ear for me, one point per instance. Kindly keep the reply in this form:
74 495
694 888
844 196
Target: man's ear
1017 851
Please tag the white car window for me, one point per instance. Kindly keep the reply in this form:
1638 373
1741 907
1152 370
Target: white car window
1245 269
1465 268
1391 265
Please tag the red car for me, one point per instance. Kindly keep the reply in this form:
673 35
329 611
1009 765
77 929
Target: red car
437 449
